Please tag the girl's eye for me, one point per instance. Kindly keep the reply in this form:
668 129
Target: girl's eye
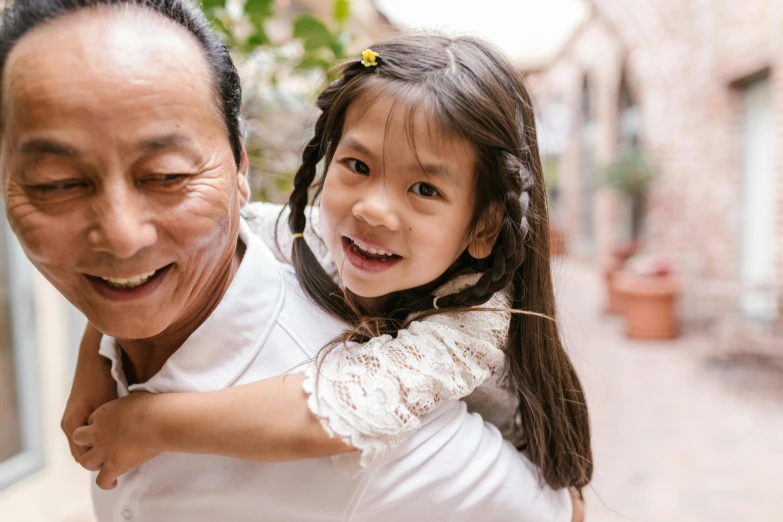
424 190
357 166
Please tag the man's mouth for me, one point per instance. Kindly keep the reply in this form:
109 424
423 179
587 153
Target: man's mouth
130 282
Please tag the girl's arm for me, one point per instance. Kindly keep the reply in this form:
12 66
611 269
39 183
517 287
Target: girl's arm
266 421
92 387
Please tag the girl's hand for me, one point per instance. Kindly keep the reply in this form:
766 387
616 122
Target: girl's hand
92 387
117 438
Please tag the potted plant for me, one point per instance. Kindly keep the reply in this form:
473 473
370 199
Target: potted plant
630 175
649 292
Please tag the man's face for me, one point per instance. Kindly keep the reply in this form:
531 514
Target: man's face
118 176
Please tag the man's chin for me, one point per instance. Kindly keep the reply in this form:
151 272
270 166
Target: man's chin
130 328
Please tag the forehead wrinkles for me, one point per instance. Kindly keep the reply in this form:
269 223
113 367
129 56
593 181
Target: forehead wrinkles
98 55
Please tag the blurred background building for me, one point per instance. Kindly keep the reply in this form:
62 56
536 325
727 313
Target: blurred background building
660 123
695 89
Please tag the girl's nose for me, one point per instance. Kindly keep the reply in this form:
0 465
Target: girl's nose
378 209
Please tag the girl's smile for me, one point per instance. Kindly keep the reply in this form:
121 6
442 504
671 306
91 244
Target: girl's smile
367 258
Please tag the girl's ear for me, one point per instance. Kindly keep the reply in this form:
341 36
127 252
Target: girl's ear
483 238
242 183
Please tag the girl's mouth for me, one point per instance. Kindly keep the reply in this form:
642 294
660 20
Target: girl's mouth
367 258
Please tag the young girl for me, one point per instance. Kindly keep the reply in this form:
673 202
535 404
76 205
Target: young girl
432 242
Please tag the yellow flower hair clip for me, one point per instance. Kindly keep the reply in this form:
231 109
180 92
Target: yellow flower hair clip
369 58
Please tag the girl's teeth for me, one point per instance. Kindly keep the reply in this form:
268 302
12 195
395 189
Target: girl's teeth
369 249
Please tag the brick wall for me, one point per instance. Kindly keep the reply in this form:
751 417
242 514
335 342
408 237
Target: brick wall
685 62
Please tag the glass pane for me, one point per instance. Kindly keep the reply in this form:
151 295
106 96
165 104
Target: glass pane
10 439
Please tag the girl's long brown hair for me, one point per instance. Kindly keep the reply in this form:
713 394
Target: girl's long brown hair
474 91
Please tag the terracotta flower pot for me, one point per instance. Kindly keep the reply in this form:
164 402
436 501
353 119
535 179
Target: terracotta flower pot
648 304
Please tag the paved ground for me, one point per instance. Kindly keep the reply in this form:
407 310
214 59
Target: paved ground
678 436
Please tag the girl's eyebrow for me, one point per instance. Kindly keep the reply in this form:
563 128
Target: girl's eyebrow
351 142
435 170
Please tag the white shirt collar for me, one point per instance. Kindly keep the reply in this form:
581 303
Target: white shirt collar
229 340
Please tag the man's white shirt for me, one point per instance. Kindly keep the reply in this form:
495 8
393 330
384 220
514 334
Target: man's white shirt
456 468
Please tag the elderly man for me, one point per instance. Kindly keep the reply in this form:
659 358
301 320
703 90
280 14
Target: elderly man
123 176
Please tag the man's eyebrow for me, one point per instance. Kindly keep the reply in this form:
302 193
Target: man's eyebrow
45 146
166 141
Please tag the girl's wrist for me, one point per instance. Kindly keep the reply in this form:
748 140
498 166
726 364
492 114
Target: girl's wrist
154 426
168 421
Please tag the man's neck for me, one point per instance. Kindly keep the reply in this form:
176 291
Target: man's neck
143 358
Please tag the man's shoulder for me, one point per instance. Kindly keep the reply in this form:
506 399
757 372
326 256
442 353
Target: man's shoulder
305 322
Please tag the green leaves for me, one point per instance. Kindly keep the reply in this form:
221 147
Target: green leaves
312 32
259 9
273 78
341 10
207 5
322 46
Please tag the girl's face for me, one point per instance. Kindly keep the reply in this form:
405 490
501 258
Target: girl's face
396 217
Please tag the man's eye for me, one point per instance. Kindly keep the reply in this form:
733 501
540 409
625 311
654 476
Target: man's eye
165 179
60 186
358 166
424 190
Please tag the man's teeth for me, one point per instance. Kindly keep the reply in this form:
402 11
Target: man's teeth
130 282
370 250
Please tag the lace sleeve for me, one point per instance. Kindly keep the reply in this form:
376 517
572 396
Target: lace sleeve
373 395
267 223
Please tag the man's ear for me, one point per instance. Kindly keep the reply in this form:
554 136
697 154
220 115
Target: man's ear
483 238
242 182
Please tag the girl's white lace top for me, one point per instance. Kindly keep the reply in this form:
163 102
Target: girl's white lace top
373 395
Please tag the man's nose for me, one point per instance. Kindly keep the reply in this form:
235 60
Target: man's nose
379 208
122 225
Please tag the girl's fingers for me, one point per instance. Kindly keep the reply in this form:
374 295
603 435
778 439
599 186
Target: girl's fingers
77 451
92 460
83 436
106 480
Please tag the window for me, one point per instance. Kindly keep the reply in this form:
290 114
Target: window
21 445
759 199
